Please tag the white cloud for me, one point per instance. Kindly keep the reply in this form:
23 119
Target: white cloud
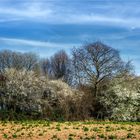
34 43
10 20
102 19
55 13
26 11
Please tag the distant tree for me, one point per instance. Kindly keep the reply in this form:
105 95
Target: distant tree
5 59
31 61
94 63
59 64
17 60
45 66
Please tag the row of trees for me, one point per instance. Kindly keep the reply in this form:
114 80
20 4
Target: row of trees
100 83
17 60
55 67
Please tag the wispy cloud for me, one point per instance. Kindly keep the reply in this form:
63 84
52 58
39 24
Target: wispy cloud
101 19
48 12
10 20
42 48
33 43
26 11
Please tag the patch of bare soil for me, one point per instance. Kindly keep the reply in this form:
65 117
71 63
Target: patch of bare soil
67 131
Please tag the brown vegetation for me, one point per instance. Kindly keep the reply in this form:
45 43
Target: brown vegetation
68 130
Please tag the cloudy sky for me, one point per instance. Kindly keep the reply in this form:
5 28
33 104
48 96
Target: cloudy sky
46 26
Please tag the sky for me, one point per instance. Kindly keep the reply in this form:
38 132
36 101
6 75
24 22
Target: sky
46 26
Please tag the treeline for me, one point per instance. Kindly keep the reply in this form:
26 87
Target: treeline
93 82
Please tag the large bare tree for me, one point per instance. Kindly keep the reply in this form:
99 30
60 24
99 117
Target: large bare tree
95 62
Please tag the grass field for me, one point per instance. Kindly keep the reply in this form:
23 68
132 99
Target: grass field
87 130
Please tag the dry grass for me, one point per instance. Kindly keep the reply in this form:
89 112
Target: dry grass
44 130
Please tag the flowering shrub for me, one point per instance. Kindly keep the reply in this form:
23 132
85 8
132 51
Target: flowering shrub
64 102
23 90
121 101
28 92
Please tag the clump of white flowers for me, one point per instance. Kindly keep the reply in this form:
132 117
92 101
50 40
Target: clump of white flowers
122 101
24 88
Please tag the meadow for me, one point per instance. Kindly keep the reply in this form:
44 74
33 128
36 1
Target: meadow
76 130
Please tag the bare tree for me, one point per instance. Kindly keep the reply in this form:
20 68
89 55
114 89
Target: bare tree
59 64
30 61
45 66
17 60
5 60
94 63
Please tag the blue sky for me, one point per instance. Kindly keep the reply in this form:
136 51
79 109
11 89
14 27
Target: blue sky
46 26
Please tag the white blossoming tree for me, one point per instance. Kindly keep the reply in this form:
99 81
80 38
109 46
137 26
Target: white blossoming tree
23 90
122 100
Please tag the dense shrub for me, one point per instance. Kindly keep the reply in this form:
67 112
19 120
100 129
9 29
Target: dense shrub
27 94
30 94
121 100
23 91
